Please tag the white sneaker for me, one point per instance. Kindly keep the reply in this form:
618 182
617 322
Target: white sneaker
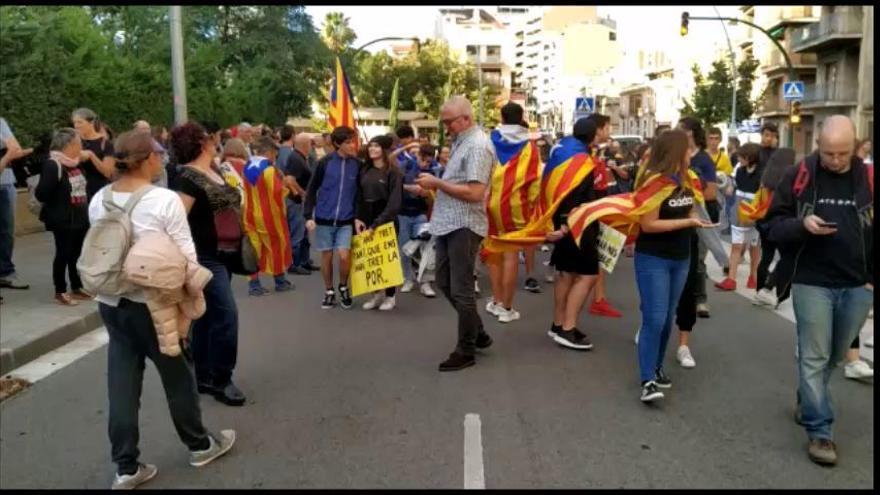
145 473
388 304
857 370
507 316
374 302
493 309
636 340
869 342
427 290
765 297
407 286
684 357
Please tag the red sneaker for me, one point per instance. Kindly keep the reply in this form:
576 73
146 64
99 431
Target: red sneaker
752 283
603 308
726 284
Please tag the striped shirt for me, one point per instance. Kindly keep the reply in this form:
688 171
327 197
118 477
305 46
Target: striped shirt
470 160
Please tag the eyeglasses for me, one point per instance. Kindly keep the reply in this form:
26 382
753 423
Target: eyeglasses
448 122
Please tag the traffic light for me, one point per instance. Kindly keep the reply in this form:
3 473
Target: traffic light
685 18
795 117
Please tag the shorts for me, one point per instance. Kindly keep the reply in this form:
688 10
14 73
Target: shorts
744 235
568 257
328 237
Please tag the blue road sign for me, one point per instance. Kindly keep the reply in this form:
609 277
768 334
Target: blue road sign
793 90
584 105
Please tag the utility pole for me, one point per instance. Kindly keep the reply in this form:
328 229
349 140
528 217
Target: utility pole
732 132
480 76
178 77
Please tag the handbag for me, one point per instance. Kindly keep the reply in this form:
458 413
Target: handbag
233 245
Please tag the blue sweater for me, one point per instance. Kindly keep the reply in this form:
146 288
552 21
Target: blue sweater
333 190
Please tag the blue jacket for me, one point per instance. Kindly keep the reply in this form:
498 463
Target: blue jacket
332 193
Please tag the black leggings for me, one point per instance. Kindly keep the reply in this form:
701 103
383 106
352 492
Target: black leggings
68 246
686 312
766 278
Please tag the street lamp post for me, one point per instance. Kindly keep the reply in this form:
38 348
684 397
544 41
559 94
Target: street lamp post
733 74
178 77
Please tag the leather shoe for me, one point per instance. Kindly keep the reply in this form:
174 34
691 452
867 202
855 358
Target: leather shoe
457 362
230 395
484 341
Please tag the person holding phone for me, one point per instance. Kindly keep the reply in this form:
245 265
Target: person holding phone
662 255
822 218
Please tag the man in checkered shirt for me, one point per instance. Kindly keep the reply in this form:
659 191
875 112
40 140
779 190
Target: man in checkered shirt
459 224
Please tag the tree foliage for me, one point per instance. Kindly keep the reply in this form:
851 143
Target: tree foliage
337 33
712 98
264 62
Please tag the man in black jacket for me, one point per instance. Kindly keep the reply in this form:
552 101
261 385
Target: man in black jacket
296 171
822 218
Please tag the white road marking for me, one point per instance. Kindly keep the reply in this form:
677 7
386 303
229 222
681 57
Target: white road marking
474 478
65 355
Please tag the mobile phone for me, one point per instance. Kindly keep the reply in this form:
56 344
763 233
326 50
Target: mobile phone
828 225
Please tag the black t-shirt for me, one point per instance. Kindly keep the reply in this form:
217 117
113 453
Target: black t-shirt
747 181
95 180
842 253
201 216
675 244
298 168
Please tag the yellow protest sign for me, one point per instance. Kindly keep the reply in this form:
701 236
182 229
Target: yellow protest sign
610 245
375 261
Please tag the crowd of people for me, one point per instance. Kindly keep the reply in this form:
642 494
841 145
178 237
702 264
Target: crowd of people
251 200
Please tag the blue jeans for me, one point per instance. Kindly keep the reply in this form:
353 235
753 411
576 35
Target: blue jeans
297 224
408 228
7 229
214 336
660 283
329 238
828 320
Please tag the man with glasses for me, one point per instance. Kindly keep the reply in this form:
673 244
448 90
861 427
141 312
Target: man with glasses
459 223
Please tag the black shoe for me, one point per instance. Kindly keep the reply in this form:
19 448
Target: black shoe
484 341
230 395
650 392
571 340
581 336
532 285
345 297
206 388
662 379
329 299
312 267
457 362
554 330
299 270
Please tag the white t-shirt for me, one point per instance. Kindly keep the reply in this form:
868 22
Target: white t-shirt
160 210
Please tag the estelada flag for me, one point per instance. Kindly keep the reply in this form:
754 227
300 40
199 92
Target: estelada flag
341 111
514 188
265 215
568 165
754 210
622 211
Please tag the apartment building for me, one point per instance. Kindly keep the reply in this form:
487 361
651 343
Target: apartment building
843 43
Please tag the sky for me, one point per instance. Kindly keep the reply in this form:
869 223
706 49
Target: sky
637 26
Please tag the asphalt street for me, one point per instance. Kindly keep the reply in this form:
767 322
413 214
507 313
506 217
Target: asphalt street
349 399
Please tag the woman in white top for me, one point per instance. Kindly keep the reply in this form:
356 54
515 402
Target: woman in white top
130 326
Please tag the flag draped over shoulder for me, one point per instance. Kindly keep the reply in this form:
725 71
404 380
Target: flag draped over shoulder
265 215
622 211
514 188
756 209
568 165
341 112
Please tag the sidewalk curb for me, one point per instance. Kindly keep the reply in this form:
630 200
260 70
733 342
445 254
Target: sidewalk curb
10 359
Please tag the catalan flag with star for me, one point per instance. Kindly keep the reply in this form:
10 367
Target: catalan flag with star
622 211
514 188
751 211
265 215
341 112
568 165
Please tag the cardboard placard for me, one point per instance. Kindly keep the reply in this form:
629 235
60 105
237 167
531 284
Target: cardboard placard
375 261
610 244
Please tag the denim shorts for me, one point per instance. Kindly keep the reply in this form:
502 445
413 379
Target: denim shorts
328 237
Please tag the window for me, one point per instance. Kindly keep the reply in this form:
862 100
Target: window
472 50
612 36
493 51
830 81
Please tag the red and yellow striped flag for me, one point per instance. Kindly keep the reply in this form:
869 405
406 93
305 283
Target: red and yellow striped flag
514 191
265 215
341 112
622 211
751 211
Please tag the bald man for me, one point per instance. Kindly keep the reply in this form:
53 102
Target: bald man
297 175
822 218
142 125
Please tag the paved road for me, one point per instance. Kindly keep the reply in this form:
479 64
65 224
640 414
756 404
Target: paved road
347 399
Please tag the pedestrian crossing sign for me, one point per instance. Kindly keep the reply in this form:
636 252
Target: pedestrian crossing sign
793 90
584 105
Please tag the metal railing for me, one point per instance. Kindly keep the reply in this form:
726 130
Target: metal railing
838 23
836 93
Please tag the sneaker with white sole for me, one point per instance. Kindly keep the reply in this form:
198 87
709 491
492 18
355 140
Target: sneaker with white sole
388 304
684 357
508 315
145 473
858 370
199 458
407 286
764 297
375 301
573 339
426 290
493 308
650 392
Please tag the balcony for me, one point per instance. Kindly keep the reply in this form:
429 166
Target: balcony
782 16
485 59
775 105
775 62
831 96
833 31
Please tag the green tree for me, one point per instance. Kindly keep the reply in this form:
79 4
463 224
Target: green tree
392 118
712 98
337 34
